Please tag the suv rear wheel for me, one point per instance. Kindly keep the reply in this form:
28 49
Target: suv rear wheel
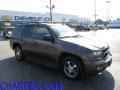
19 53
72 67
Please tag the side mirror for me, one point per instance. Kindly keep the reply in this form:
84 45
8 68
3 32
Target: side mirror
48 38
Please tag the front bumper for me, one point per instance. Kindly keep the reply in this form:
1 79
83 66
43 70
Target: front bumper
98 66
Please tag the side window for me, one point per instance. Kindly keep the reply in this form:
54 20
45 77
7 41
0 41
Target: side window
27 31
17 30
40 32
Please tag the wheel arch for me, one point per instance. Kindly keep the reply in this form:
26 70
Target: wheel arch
64 54
15 44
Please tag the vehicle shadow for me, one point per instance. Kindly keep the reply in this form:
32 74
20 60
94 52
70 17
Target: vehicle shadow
12 70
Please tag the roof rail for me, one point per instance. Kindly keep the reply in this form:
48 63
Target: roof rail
34 22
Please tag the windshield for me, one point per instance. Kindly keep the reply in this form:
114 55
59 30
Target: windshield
63 30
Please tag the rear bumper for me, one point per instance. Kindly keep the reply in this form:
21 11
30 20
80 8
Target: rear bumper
98 66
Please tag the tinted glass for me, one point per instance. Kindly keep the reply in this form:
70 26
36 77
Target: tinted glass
40 32
27 31
17 30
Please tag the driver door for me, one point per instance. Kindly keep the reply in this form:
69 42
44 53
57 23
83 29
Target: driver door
43 49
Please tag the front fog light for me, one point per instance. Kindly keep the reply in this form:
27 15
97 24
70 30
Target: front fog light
99 68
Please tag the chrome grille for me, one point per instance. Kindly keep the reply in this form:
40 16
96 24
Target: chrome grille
106 51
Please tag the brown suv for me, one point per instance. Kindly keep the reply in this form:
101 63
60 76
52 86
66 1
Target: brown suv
58 45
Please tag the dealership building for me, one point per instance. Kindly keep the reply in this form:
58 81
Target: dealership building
16 16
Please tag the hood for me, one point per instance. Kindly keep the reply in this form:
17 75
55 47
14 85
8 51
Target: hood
86 42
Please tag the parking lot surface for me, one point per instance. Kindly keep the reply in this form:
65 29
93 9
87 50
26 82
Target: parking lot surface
12 70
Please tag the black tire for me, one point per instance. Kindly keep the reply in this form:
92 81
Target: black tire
19 53
75 69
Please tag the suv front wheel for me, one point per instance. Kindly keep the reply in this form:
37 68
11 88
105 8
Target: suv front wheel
19 53
72 67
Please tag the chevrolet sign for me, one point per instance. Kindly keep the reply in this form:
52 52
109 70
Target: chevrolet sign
24 18
29 18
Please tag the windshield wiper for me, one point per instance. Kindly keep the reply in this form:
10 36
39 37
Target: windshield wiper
66 37
69 36
76 36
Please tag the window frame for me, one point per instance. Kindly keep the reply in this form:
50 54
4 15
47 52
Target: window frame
47 28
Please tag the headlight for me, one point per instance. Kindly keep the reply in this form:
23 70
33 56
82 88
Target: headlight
97 53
